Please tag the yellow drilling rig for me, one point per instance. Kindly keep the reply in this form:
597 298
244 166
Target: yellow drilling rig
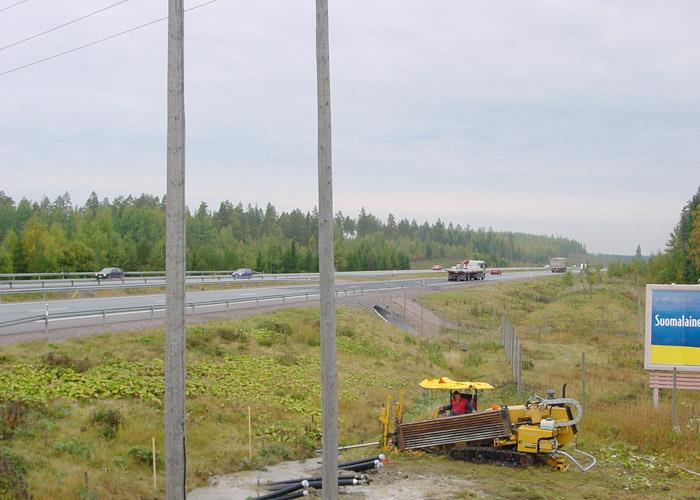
515 436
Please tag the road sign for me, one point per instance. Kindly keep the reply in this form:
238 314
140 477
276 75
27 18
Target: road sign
672 337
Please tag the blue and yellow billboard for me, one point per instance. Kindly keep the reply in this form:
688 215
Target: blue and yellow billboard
672 327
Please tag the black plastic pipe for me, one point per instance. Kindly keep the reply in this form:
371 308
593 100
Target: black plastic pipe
379 457
297 494
280 484
373 464
287 489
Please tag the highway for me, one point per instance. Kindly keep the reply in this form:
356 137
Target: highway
18 283
58 314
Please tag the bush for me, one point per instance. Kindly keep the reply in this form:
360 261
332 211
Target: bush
231 335
108 420
346 331
74 447
54 360
275 326
144 455
12 415
276 453
13 475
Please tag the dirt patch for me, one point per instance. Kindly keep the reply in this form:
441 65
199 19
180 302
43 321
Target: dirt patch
392 481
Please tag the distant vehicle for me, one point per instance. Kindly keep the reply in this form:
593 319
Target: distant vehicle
437 267
242 273
557 264
109 272
467 270
495 271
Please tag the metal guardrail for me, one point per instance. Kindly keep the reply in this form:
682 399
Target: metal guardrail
192 306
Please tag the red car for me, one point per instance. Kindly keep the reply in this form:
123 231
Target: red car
495 271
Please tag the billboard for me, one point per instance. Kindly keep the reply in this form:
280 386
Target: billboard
672 328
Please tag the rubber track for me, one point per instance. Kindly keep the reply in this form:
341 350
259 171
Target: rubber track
485 455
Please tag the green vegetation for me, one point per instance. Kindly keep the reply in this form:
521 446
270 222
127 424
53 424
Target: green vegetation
130 233
88 407
13 475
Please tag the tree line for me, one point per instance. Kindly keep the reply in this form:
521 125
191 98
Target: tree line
680 261
129 232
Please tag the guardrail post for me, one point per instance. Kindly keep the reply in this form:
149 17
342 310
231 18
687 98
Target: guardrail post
257 302
674 410
307 296
228 304
104 317
46 318
283 300
151 312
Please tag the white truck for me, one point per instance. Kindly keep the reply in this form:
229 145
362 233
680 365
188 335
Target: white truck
557 264
467 270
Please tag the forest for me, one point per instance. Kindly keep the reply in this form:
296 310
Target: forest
129 232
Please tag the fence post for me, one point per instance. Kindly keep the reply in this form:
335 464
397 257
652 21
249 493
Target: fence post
404 303
421 320
519 366
674 410
583 380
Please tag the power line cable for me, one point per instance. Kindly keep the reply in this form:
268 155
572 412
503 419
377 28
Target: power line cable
62 25
13 5
95 42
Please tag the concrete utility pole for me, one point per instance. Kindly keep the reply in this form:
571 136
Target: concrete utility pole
329 375
175 472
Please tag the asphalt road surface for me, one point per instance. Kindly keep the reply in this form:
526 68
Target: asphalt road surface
95 311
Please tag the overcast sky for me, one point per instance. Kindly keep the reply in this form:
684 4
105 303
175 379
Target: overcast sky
573 118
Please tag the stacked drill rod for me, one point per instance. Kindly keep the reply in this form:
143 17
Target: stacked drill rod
456 429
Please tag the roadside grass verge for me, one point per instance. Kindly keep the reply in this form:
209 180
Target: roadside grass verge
81 413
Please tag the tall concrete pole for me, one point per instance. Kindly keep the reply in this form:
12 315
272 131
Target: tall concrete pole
175 471
329 376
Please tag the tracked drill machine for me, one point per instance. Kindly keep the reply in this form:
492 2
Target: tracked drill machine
515 436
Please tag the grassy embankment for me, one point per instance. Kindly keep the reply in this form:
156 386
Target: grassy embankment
59 411
81 413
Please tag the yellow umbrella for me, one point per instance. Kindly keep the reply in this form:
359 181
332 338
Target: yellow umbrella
448 383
